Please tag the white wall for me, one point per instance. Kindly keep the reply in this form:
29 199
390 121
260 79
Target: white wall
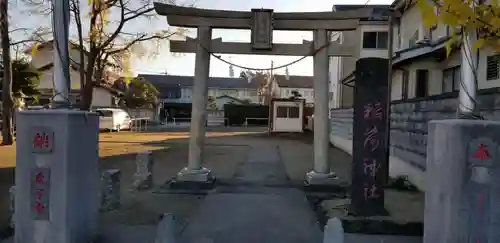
47 79
102 97
333 79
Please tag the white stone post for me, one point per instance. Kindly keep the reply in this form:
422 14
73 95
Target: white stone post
321 173
194 171
57 176
462 182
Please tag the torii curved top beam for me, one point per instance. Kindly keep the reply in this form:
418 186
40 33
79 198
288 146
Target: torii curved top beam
169 9
196 17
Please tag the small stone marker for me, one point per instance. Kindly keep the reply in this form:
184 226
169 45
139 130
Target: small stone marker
167 231
334 232
463 172
143 178
110 192
12 194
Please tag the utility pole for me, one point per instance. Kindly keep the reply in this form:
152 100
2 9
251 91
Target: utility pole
60 22
468 86
270 84
7 104
269 95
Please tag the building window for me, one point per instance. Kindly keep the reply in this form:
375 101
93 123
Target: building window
492 67
422 83
287 112
404 86
375 40
451 79
293 112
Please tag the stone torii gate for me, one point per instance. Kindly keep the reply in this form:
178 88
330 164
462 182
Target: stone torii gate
262 22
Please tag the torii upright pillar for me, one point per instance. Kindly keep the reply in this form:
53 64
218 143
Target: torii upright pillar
321 174
194 171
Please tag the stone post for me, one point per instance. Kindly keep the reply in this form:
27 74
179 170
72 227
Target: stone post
110 190
370 137
194 171
321 172
57 176
143 177
463 176
12 207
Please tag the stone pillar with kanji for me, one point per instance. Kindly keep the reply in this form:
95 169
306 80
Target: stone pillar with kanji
463 182
57 176
370 137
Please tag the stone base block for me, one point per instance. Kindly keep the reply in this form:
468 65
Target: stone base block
315 178
202 175
190 182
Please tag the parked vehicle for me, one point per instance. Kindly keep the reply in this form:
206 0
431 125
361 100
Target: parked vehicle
113 119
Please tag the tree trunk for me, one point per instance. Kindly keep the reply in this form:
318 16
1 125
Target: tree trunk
88 87
7 104
82 58
78 20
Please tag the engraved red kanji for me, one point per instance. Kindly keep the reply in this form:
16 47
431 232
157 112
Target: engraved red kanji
41 140
370 192
371 138
482 153
37 141
45 141
39 194
39 207
373 111
371 167
40 178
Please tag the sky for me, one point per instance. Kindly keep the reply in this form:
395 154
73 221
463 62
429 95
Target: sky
184 64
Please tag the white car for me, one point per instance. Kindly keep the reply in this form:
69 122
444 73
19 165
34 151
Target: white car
113 119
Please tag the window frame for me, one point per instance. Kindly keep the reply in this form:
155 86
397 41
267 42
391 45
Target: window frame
417 82
405 83
377 40
453 70
493 58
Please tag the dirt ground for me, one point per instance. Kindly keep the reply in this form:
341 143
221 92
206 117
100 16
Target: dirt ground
139 208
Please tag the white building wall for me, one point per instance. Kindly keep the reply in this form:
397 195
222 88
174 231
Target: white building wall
102 98
47 79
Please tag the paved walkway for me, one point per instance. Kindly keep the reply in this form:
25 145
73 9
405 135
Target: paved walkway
255 206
